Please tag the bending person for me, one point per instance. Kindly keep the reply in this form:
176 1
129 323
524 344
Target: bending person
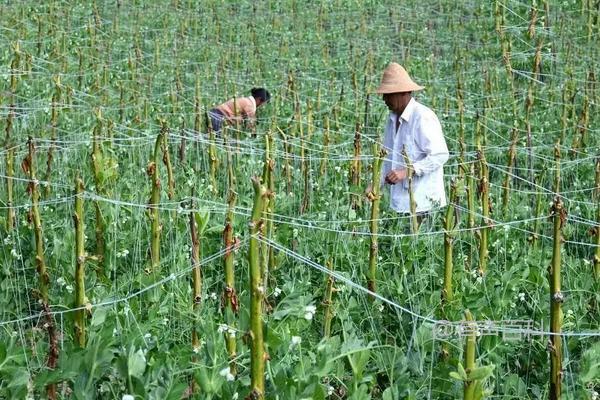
241 109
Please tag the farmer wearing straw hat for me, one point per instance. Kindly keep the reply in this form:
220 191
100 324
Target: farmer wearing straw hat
415 128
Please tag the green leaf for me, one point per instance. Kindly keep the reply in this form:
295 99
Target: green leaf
136 363
481 373
99 316
462 372
2 352
456 375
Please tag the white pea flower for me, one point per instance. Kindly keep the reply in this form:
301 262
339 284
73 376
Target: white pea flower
276 292
69 288
15 255
7 240
308 316
479 280
311 309
521 296
127 397
226 373
222 328
330 390
61 281
296 340
213 296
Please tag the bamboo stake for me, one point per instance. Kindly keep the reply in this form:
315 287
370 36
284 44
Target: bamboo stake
414 222
167 160
597 229
212 155
257 294
328 302
196 276
80 257
559 215
10 151
510 162
97 168
323 166
230 299
153 214
28 166
53 137
375 198
484 188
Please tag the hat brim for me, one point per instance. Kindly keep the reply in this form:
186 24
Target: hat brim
387 88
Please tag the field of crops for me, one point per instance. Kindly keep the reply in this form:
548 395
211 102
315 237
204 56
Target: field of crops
144 257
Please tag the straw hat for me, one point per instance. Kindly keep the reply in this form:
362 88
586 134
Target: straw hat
396 80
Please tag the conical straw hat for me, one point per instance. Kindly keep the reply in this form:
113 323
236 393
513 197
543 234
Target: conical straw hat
396 80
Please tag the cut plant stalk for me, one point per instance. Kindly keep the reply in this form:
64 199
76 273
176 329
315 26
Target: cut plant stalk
80 258
28 166
53 128
375 198
257 294
559 215
414 222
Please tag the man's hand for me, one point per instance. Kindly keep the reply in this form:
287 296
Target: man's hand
395 176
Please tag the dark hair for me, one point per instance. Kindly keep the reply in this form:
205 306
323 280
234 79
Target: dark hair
261 93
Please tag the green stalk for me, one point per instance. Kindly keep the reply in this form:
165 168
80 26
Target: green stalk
559 215
28 166
257 294
53 125
153 214
78 218
327 302
375 198
414 222
470 350
447 292
323 166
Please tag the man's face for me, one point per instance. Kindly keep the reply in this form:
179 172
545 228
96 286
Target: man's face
396 102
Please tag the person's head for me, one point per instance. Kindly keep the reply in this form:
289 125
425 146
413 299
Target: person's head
397 102
261 95
397 87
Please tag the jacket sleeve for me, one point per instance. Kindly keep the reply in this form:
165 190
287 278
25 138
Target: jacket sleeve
430 140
